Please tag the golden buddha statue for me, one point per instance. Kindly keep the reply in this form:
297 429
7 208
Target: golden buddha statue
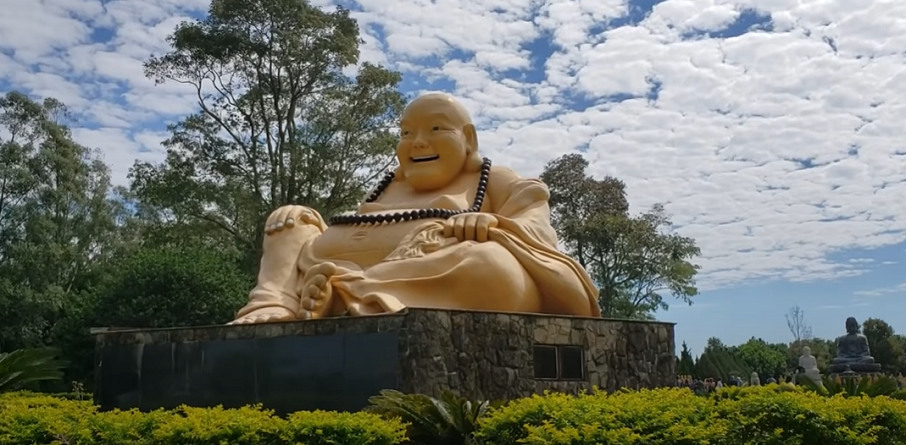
445 230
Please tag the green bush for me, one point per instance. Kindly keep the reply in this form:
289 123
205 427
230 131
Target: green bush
858 386
23 367
775 414
27 418
172 286
770 415
447 420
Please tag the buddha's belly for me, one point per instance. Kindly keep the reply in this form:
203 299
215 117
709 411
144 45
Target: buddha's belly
364 245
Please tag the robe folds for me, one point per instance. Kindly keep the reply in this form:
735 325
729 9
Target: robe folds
427 269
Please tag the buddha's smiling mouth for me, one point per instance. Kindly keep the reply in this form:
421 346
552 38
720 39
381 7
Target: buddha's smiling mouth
424 158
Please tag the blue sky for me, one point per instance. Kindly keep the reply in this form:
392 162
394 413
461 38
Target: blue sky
769 129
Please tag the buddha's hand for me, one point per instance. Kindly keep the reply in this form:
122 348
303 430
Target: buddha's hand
470 226
287 217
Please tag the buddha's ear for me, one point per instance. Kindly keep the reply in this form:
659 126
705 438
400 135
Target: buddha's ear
468 131
473 159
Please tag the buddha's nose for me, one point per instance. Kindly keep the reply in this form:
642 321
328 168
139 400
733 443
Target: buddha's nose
419 142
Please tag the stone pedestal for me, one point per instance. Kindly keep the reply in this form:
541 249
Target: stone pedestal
336 364
856 368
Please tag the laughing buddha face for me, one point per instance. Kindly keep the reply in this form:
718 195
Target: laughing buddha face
437 143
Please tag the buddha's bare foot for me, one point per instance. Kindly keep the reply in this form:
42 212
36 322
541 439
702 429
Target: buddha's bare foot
317 291
265 315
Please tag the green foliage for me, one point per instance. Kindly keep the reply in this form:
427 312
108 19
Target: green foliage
884 345
856 386
686 364
57 218
22 367
718 360
786 416
172 286
30 418
449 420
279 121
776 414
759 356
633 260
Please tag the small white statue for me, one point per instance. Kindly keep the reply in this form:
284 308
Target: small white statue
810 365
754 380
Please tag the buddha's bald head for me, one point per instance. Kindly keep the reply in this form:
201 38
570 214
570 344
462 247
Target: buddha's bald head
438 142
432 102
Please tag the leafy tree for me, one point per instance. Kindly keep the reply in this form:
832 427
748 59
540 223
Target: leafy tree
899 344
718 361
575 198
686 365
172 286
884 347
759 356
279 121
57 218
632 260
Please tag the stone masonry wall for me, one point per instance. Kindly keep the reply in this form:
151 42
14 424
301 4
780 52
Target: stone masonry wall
489 355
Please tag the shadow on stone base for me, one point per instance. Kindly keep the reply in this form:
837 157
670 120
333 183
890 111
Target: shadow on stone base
859 368
338 363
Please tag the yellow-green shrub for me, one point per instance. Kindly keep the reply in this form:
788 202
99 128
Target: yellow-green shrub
759 415
37 419
768 416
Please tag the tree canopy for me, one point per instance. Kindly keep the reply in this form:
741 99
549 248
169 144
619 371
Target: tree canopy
634 260
57 218
279 121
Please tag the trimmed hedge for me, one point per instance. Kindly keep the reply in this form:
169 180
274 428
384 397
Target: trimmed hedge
768 415
27 418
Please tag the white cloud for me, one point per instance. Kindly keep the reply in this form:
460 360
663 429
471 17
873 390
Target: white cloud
773 149
877 292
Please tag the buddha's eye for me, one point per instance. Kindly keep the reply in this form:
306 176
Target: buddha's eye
436 128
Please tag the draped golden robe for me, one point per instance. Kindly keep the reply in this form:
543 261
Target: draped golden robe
518 269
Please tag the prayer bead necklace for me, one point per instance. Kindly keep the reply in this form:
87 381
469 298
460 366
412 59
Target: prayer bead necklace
413 215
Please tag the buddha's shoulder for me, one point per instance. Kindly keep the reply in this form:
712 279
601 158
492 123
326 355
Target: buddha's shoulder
506 175
504 182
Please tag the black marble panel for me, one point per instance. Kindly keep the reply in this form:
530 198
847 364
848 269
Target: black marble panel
156 378
290 373
229 371
118 376
300 371
371 363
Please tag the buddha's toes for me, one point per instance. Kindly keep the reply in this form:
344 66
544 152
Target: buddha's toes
316 291
265 315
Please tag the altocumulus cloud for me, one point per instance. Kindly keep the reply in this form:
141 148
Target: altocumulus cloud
772 129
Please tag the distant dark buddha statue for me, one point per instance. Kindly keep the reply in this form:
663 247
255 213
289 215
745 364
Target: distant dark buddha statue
853 353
